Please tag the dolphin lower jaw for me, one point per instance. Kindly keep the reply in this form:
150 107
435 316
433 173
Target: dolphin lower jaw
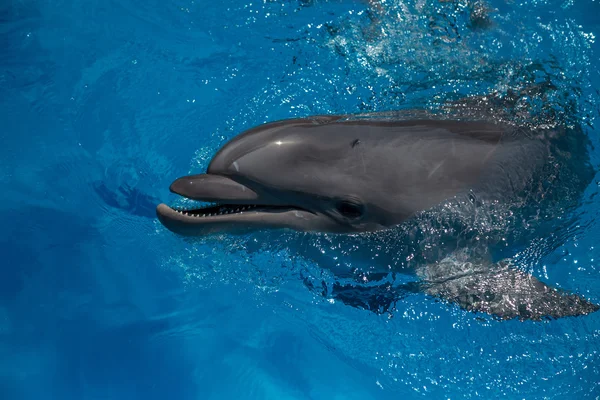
233 218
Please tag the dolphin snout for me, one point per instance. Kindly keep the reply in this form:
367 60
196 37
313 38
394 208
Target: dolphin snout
208 187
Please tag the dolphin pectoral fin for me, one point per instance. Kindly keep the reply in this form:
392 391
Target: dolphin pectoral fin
506 292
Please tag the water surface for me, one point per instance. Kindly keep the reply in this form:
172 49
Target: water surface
105 103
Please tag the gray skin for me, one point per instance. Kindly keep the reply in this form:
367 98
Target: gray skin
351 175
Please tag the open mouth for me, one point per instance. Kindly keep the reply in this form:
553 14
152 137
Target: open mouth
232 206
229 209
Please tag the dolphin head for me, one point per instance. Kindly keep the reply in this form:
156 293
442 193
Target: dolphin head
328 174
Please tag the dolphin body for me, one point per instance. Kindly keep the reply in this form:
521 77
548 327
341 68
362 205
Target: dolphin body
452 193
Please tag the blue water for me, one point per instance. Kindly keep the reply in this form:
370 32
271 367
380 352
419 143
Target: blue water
104 103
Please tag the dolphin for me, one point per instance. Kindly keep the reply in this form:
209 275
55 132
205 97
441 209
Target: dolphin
353 175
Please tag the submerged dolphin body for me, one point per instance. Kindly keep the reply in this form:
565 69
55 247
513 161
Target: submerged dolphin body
345 175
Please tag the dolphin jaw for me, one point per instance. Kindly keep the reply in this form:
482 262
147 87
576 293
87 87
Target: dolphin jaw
223 210
231 218
233 207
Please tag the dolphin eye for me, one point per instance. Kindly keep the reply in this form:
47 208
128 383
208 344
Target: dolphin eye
349 209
